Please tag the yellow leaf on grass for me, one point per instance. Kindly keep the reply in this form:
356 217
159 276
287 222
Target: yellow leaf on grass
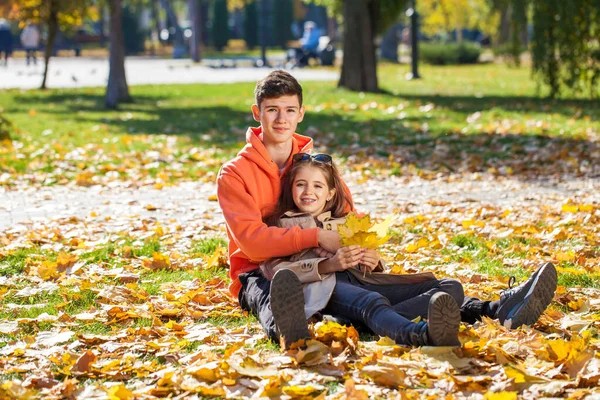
158 261
65 260
217 259
47 270
119 392
385 374
569 208
468 223
296 392
514 374
414 246
209 372
500 396
565 256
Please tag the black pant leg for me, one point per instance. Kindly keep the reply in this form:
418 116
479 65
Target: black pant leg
254 297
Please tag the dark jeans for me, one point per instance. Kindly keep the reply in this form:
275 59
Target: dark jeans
373 309
405 302
254 298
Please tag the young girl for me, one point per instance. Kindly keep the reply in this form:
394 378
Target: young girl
312 196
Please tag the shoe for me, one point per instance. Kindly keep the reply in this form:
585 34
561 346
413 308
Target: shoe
443 320
524 304
287 305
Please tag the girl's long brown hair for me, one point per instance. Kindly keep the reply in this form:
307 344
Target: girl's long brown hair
286 201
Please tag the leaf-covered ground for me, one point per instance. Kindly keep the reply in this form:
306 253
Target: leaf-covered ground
488 182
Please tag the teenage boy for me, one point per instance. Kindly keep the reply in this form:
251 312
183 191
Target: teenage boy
248 187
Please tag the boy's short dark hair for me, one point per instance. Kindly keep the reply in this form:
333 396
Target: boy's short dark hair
278 83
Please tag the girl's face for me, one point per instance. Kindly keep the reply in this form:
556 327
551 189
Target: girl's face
310 190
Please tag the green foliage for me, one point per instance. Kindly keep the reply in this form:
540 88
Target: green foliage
133 35
283 16
70 13
220 24
250 25
440 17
449 53
565 37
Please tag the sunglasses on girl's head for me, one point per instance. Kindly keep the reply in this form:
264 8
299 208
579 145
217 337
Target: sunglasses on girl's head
322 158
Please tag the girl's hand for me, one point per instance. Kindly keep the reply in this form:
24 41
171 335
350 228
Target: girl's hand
370 259
344 258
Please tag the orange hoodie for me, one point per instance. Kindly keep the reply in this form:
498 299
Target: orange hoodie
248 187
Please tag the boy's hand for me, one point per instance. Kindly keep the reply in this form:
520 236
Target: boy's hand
370 259
329 240
322 253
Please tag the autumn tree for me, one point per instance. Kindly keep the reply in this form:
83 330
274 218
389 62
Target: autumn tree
116 90
439 17
55 14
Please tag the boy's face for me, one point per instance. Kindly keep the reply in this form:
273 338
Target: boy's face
279 118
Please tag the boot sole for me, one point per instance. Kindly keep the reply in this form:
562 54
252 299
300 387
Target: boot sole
287 306
536 300
443 320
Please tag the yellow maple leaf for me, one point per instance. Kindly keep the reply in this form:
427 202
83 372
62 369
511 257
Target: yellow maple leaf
65 260
158 261
354 224
47 270
217 259
362 232
382 228
119 392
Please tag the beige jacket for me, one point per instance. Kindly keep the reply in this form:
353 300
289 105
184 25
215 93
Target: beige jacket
305 264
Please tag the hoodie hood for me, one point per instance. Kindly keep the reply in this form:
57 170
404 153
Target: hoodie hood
255 150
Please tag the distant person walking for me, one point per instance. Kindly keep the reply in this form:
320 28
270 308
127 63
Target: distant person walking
5 40
30 39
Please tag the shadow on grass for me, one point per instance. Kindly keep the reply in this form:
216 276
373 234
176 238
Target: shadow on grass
525 156
524 104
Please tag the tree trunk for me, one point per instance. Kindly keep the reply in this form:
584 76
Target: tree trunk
196 39
359 68
52 29
505 22
116 90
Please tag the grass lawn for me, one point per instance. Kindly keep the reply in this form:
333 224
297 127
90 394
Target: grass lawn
456 118
144 301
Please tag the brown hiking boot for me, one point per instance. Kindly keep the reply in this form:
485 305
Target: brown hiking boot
287 305
443 320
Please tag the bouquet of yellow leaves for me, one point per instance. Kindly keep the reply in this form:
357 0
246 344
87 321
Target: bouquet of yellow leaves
364 233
